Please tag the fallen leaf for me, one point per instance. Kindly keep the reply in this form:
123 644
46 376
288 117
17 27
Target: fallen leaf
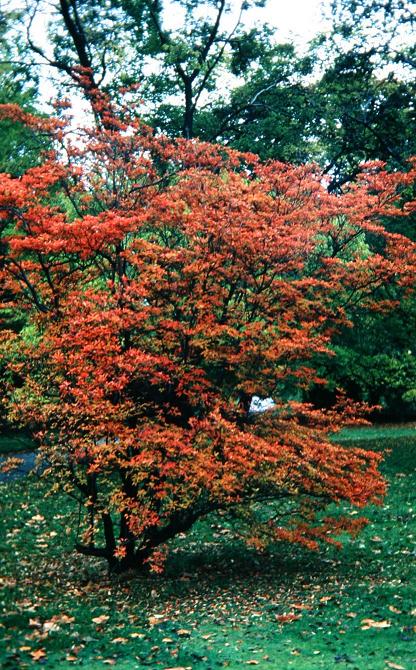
183 632
119 640
156 618
100 619
395 666
38 654
394 609
64 618
370 623
252 662
35 623
286 618
71 658
37 518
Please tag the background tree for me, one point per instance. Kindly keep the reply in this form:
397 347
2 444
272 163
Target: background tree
20 147
387 26
361 115
100 46
271 112
366 111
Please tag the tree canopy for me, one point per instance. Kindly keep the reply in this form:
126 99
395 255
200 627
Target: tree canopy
166 283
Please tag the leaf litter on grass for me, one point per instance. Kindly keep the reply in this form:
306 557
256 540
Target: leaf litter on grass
219 604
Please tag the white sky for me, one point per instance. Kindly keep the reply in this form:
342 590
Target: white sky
299 20
295 20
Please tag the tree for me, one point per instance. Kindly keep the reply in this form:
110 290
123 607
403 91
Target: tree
350 114
272 112
100 46
361 115
385 25
20 147
183 279
365 111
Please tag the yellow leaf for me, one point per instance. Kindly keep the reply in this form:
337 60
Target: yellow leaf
395 666
64 618
100 619
35 623
38 654
370 623
156 618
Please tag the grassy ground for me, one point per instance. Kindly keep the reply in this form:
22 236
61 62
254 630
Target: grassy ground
219 605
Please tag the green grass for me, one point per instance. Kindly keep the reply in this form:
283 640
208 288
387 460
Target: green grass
219 604
376 433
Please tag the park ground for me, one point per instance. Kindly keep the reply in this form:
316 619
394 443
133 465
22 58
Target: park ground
218 604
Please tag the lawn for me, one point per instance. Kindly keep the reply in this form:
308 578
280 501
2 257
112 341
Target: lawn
219 604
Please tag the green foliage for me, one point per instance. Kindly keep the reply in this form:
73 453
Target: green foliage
385 24
270 112
361 115
374 362
20 147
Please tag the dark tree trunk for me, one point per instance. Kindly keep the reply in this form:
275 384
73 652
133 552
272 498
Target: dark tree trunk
136 558
188 116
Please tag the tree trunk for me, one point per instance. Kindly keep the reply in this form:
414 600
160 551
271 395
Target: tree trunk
188 116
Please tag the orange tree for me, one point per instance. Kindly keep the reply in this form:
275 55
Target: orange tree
166 283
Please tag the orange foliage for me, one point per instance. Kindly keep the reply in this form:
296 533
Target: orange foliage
167 283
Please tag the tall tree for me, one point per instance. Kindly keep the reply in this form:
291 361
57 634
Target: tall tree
362 114
386 25
100 46
271 112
